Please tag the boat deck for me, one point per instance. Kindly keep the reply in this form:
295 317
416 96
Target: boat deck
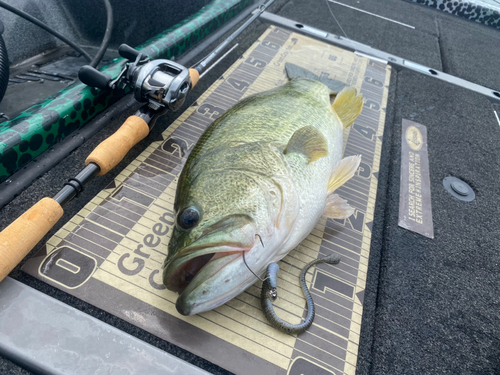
430 305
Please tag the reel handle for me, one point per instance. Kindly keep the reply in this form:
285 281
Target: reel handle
94 78
128 52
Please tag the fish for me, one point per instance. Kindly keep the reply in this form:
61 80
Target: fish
255 185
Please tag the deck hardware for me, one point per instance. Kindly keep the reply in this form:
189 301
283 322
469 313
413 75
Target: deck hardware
459 189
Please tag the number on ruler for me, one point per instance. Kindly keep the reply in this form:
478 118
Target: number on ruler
237 84
364 170
270 45
210 110
372 105
366 132
255 62
176 146
373 81
68 267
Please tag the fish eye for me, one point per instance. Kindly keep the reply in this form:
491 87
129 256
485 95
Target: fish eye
188 218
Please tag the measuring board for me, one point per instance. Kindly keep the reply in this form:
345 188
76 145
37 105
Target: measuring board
111 253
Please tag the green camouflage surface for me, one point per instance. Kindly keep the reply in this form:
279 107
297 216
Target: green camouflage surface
43 125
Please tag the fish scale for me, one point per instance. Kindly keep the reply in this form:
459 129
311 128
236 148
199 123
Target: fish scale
272 116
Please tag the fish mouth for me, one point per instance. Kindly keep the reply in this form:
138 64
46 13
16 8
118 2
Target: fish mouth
200 261
210 287
183 274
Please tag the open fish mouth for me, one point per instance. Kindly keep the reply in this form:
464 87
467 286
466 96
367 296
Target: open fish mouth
184 275
179 278
205 282
204 271
219 244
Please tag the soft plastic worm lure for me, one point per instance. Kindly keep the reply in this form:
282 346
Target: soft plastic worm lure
269 294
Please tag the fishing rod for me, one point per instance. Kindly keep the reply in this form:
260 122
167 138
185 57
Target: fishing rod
160 84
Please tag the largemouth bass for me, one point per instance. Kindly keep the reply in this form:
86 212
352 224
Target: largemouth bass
257 182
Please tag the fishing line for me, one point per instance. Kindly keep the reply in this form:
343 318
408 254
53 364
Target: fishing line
496 115
335 18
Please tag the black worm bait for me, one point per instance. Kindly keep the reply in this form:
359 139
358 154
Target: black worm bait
269 294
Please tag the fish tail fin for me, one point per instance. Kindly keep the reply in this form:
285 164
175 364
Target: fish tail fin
348 105
294 71
343 172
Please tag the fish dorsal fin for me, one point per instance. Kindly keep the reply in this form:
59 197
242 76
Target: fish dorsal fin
343 171
308 141
294 71
337 208
348 105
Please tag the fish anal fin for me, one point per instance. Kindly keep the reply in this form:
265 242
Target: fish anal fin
343 172
337 208
348 105
308 141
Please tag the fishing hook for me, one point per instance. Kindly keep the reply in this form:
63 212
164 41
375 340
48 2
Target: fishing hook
260 238
244 261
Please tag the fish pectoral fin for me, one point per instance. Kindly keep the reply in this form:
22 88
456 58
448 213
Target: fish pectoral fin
348 105
343 172
308 141
337 208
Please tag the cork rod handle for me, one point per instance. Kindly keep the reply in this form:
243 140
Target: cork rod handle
112 150
17 240
195 77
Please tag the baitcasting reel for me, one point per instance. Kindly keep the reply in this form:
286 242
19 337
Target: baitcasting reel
163 84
